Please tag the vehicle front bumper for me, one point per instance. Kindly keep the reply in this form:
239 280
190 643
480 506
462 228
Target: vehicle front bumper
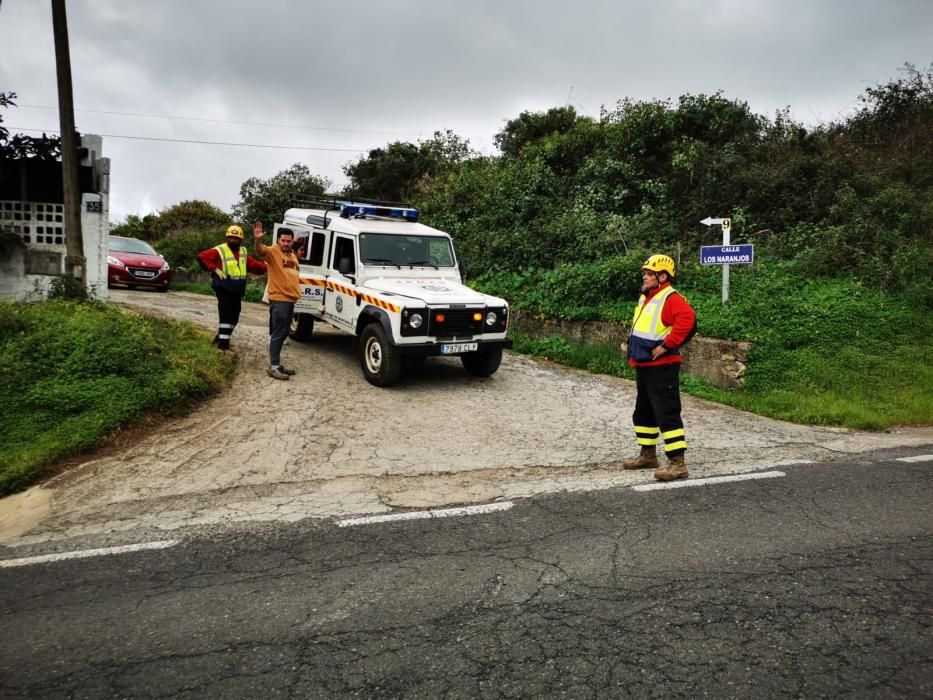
119 275
434 348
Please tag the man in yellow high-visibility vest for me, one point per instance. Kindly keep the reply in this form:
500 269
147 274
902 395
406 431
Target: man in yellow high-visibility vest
662 323
229 264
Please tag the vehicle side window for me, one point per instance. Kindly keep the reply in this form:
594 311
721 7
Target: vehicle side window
344 259
300 245
316 251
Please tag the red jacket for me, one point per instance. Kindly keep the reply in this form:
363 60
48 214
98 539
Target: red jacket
678 314
211 261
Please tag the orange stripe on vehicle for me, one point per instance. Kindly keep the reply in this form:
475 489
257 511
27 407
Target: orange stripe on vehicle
365 297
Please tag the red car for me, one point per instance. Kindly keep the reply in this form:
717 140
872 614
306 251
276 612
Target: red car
134 263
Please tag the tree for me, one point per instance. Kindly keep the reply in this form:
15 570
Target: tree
190 215
267 200
20 146
386 173
402 170
898 113
530 127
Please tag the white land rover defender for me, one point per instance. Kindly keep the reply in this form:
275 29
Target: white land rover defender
372 270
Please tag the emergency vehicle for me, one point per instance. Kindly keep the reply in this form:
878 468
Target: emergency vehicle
374 271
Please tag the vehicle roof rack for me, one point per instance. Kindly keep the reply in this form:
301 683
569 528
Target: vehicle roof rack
356 207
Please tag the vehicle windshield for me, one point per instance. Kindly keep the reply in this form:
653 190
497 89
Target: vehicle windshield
406 251
130 245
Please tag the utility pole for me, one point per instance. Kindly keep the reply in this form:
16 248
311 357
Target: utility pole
74 242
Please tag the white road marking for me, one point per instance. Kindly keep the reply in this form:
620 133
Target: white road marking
421 514
916 458
707 480
85 553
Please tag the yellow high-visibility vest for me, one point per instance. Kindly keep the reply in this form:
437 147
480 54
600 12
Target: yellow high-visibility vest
648 330
234 269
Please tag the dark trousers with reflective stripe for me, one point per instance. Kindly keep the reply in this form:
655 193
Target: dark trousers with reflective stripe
657 408
228 313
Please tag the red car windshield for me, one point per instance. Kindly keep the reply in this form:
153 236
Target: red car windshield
130 245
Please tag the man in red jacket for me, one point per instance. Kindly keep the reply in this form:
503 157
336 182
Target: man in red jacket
228 264
663 322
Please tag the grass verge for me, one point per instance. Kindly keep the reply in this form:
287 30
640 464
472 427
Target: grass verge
72 373
846 387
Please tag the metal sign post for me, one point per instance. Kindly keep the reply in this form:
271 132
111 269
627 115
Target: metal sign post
726 239
726 225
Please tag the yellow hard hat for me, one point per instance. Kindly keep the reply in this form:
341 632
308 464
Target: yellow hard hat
235 231
660 263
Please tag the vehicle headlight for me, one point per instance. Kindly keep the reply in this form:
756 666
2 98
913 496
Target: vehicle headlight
165 267
491 318
415 321
113 261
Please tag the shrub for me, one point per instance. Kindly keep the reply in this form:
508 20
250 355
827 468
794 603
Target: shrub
181 250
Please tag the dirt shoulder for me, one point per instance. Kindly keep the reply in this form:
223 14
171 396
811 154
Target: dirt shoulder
328 444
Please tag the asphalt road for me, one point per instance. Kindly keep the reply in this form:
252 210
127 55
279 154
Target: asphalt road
815 583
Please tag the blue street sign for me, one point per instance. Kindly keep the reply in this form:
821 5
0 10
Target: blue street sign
727 254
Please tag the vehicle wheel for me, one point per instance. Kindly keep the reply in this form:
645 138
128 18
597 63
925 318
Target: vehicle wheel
381 363
482 363
301 327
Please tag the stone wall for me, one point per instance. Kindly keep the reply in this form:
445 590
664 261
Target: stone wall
722 363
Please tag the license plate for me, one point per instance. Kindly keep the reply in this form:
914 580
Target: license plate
144 273
456 348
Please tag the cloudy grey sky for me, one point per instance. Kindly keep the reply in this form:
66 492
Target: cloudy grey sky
331 80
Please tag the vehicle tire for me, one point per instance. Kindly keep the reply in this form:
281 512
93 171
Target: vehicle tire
381 362
482 363
301 327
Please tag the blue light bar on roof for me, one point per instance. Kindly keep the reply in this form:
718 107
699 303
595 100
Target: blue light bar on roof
350 209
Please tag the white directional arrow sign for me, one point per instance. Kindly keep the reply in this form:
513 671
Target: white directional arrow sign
711 221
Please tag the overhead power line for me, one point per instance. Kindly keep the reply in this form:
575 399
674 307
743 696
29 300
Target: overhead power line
208 143
224 121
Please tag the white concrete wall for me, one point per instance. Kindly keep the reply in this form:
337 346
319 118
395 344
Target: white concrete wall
40 226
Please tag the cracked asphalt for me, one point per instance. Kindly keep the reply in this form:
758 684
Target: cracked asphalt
816 584
327 444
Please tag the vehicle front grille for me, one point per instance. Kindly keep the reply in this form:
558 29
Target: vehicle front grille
457 323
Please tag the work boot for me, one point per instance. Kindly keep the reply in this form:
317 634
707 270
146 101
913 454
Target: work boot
276 373
676 469
648 459
287 370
